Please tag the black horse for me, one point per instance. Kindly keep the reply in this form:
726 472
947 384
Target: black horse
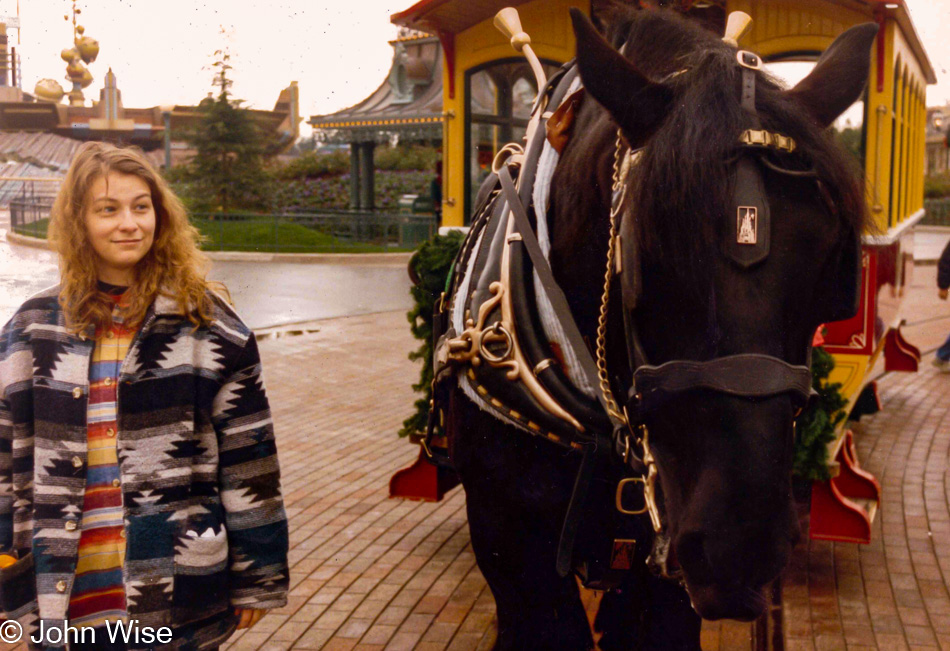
724 461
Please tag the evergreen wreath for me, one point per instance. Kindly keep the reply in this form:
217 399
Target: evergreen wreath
815 428
430 269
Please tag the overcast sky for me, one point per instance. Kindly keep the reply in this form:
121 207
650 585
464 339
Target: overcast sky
161 52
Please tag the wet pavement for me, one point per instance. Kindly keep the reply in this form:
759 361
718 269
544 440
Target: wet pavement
264 294
23 272
283 293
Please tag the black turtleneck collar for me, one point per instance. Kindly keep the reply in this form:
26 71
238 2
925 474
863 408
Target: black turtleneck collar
111 290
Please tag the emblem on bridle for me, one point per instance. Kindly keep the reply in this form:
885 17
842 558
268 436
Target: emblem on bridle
747 227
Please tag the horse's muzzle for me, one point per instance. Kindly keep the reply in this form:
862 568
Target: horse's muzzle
728 602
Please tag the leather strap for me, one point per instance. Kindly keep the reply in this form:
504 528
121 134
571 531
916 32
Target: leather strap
565 546
748 90
748 240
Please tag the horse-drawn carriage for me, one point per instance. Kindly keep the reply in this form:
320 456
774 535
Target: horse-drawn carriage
645 269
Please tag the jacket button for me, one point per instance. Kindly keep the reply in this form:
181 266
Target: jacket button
77 462
110 335
70 525
107 382
116 483
110 432
77 393
60 586
122 533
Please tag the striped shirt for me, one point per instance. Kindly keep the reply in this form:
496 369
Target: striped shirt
98 594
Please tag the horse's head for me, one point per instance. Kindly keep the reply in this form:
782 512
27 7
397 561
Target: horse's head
692 293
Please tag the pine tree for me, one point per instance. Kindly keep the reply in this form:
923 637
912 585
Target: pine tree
228 166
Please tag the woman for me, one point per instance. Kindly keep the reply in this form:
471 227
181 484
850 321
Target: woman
138 470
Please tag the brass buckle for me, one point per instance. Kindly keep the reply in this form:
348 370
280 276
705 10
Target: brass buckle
619 497
783 142
756 137
762 138
749 60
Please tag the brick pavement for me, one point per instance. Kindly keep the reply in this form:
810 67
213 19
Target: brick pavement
367 572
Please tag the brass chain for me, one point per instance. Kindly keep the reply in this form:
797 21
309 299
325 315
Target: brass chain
612 408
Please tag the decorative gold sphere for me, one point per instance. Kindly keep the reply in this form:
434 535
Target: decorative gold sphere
69 54
86 78
80 29
88 48
48 90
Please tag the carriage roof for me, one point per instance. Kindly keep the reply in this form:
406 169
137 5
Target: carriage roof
455 16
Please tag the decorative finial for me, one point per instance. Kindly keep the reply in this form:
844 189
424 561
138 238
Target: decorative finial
508 23
737 25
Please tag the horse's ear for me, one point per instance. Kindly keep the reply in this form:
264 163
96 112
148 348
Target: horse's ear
636 103
839 76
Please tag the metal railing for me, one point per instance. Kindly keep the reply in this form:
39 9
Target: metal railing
30 201
938 212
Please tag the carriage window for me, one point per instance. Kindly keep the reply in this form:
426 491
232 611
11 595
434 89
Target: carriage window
500 96
849 127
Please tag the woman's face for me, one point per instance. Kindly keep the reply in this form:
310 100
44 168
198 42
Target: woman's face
120 224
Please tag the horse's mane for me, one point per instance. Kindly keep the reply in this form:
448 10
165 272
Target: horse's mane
682 187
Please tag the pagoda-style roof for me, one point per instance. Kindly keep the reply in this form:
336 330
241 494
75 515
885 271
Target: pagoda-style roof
407 103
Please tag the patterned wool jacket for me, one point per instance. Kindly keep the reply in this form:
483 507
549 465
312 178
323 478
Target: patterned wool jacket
204 519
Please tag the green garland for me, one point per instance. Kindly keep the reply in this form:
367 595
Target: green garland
816 426
431 264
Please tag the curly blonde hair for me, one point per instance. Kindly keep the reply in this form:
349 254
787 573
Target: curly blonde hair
174 265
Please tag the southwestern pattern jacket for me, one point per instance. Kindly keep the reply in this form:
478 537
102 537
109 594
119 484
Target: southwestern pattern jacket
204 518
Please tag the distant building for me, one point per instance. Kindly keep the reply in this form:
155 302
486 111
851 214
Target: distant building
938 152
406 107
